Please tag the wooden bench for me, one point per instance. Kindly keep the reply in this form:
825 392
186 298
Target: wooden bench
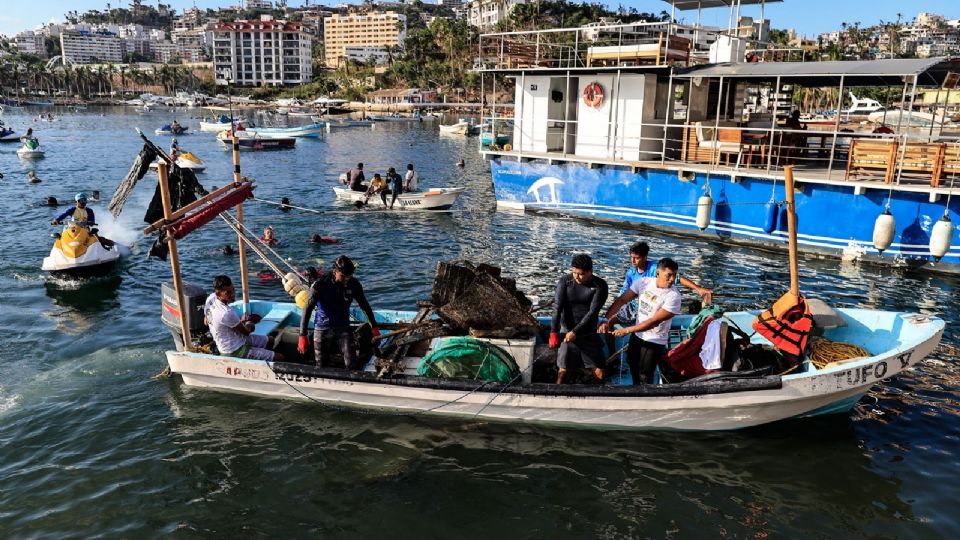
668 48
950 170
870 157
922 160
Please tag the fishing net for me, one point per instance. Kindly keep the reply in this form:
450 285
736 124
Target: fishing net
468 358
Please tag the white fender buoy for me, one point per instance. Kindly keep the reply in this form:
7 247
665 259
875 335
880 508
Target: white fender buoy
883 231
941 237
704 208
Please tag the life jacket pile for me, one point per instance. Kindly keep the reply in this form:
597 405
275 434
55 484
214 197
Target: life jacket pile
787 324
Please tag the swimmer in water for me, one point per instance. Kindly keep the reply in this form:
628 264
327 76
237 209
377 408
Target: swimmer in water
227 250
285 204
32 178
268 237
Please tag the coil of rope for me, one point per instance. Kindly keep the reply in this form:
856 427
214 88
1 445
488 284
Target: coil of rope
824 352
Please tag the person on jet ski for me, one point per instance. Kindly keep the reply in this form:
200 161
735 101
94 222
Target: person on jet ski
79 212
175 127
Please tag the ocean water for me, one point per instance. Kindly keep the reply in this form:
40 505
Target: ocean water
91 445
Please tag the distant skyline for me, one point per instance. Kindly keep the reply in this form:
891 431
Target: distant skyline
808 17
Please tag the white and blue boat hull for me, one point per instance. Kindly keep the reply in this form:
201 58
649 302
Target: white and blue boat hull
834 219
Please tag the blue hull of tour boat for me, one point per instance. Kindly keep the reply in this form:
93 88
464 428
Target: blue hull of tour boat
831 219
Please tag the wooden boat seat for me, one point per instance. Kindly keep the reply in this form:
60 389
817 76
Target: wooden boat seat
275 318
950 169
922 160
872 157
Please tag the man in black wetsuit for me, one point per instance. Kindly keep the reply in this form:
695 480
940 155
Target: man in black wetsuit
580 295
332 295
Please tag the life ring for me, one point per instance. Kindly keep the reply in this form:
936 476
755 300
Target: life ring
593 95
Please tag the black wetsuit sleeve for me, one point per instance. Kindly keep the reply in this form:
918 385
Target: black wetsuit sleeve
362 302
596 303
560 302
308 308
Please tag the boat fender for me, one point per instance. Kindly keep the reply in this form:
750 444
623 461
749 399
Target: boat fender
704 208
770 217
883 231
301 299
941 237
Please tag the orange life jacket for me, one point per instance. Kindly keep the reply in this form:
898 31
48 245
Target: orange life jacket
787 324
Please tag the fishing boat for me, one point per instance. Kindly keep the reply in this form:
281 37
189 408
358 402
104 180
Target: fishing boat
170 129
215 125
309 130
255 141
600 138
30 149
404 383
714 402
460 128
432 199
187 160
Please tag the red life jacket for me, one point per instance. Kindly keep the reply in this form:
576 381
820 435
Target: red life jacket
787 324
683 361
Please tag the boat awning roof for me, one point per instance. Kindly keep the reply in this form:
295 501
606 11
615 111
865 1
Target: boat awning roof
686 5
892 72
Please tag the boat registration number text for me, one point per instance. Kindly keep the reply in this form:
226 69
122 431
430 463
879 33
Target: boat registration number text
860 375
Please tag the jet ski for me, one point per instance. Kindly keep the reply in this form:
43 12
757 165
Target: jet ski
8 134
79 251
187 160
172 130
30 149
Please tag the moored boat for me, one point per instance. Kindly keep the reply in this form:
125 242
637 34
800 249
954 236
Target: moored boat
460 128
309 130
431 199
255 141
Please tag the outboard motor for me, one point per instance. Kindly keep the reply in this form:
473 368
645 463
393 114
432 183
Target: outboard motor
194 298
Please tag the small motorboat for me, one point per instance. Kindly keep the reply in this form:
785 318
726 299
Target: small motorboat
172 129
463 127
215 125
30 149
187 160
79 251
309 130
347 123
255 141
432 199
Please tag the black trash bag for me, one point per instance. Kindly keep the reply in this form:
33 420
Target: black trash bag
184 189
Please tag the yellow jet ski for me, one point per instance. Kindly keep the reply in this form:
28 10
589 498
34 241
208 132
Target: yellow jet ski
79 251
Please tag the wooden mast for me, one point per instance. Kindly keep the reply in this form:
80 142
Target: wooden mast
792 230
242 245
174 256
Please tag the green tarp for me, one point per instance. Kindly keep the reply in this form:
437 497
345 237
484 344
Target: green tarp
469 358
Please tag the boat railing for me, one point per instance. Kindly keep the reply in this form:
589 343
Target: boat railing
617 45
918 157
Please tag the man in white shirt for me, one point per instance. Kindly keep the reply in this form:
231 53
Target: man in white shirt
411 179
658 301
234 334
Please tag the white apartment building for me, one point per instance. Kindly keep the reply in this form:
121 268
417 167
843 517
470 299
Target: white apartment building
265 51
31 43
191 44
363 53
485 14
164 51
87 48
370 29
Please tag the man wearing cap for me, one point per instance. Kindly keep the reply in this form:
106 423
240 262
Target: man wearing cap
332 296
79 212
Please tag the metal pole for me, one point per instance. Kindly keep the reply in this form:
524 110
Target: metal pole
773 125
903 153
836 128
671 97
174 257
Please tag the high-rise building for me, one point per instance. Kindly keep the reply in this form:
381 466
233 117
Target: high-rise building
265 51
88 48
485 14
31 43
370 29
191 44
